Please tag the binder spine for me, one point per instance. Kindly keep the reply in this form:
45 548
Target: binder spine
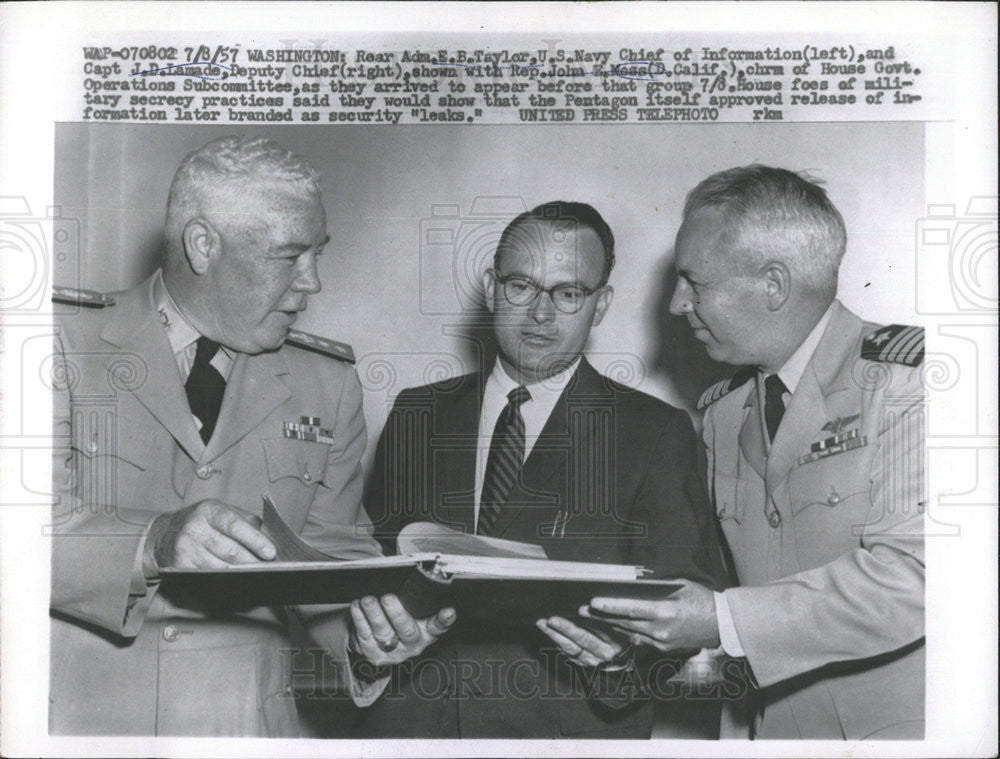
425 591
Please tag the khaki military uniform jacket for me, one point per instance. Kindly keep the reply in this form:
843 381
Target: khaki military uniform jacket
127 659
827 540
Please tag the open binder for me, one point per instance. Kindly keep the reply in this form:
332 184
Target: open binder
480 577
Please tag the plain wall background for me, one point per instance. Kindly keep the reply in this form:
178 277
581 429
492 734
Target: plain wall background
414 213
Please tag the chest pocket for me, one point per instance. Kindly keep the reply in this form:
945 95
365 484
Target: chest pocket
110 457
834 482
300 460
99 434
729 498
830 506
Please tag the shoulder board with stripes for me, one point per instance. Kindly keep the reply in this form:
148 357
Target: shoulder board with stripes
72 296
322 345
725 386
895 344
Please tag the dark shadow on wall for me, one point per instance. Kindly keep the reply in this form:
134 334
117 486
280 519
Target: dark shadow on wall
474 334
679 355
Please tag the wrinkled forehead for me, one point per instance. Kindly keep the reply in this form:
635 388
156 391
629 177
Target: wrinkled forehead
560 245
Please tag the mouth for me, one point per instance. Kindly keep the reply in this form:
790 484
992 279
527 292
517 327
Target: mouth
538 338
701 334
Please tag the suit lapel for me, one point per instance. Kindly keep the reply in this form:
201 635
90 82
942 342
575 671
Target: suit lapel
136 329
752 432
823 384
455 416
254 390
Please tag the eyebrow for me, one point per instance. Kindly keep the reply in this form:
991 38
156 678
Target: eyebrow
573 283
302 247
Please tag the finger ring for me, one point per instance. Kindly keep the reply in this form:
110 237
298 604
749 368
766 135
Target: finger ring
388 645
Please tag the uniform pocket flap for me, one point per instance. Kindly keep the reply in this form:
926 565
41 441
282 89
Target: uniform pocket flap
301 459
102 433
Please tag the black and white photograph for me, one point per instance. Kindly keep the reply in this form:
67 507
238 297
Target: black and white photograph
626 387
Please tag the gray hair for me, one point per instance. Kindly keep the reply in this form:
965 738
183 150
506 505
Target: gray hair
776 214
224 169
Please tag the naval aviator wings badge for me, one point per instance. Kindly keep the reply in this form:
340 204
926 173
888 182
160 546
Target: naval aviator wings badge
838 424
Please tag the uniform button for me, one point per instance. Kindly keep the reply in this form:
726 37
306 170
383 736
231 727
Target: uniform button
307 477
204 472
170 633
834 498
774 518
91 447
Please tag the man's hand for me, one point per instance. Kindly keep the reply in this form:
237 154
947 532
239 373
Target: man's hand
588 648
208 534
385 633
684 620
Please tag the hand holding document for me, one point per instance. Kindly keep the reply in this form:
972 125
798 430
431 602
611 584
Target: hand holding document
438 567
686 620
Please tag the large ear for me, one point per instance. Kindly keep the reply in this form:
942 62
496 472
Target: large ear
777 284
489 287
202 243
604 298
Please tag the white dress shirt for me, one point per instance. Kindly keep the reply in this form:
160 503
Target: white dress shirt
535 412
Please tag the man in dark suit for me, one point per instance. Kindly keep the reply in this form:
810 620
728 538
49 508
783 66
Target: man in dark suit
546 450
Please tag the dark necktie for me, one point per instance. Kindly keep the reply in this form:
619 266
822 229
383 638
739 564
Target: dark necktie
774 406
205 387
505 460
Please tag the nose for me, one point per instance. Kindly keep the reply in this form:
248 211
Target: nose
307 278
543 309
680 301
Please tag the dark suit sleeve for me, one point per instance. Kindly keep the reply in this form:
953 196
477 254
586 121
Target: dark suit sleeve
400 481
680 540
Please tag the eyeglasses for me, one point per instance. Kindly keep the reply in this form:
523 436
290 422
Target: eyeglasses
521 291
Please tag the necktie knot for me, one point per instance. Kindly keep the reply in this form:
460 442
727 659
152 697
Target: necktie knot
518 396
774 404
773 386
207 349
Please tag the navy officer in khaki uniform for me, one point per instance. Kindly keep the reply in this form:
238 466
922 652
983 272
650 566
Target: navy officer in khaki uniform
815 466
178 404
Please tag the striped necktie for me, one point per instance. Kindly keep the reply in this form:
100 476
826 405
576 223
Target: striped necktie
503 467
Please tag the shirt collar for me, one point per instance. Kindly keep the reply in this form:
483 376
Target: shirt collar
549 388
180 333
791 372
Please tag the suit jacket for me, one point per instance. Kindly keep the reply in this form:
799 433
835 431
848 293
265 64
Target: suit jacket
127 659
830 547
621 462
